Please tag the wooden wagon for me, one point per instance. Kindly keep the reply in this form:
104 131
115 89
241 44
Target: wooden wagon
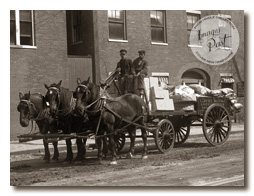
169 127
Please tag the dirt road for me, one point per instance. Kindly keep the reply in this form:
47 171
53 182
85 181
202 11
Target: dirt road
194 163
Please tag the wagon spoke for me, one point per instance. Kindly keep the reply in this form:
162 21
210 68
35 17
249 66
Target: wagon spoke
218 136
225 126
221 132
214 135
166 144
210 119
223 113
225 131
225 117
180 134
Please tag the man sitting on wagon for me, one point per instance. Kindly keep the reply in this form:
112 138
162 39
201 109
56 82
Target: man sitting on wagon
124 66
140 72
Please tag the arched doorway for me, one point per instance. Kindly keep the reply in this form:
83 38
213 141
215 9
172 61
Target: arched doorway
196 76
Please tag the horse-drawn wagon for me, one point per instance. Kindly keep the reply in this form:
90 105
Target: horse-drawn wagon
168 122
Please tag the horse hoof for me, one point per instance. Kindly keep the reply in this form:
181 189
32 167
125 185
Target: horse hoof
46 161
113 163
145 157
77 162
129 156
54 160
66 162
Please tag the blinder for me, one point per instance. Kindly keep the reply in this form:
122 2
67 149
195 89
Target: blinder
85 92
29 105
50 91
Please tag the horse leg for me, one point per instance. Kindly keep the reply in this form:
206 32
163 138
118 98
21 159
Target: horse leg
84 148
80 148
113 150
105 147
56 153
100 146
144 137
132 133
69 151
47 153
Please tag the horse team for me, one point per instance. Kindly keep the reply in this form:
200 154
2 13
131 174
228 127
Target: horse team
88 108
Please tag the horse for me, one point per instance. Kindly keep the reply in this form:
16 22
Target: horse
33 107
91 99
61 104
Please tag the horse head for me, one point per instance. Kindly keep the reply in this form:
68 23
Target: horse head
53 97
26 109
82 94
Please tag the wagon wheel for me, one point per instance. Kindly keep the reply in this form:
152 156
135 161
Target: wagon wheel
164 136
119 141
182 134
216 124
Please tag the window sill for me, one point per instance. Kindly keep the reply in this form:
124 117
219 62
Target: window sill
25 47
157 43
194 46
117 40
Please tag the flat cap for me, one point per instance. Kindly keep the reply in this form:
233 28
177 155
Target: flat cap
142 52
123 51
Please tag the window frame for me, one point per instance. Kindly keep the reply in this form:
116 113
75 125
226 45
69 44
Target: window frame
75 42
125 38
17 29
164 26
192 12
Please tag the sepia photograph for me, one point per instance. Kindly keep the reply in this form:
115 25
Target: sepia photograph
128 98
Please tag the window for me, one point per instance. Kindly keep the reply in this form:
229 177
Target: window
192 18
225 31
227 80
117 24
76 27
158 26
22 28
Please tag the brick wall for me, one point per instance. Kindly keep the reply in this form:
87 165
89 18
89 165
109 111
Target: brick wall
176 57
31 68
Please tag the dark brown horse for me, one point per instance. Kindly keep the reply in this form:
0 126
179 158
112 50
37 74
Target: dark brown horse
61 104
90 100
33 107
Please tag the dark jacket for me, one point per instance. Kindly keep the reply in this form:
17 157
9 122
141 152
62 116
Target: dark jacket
126 66
140 65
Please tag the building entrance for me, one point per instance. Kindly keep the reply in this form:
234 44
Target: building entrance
196 76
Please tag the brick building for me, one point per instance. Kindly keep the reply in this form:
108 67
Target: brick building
49 46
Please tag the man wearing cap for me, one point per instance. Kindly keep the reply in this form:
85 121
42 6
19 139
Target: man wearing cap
124 66
140 71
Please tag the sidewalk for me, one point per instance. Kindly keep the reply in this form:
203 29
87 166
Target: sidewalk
15 146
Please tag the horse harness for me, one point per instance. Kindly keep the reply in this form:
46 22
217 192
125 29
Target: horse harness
64 112
42 115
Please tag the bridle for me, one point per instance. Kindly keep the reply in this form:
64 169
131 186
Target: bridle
58 94
43 114
98 103
30 105
62 112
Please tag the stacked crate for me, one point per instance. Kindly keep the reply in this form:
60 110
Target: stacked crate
158 98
